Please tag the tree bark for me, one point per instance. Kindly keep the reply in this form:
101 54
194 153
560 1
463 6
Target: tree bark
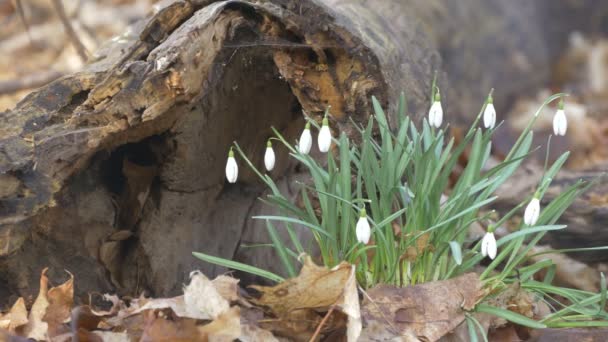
115 173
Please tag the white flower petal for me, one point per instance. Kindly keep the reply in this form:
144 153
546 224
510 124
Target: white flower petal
324 139
232 170
488 245
484 246
532 212
363 231
269 159
436 114
305 142
489 116
560 123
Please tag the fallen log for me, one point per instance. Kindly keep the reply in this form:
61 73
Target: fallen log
116 172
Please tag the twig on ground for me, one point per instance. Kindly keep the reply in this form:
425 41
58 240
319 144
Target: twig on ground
318 331
19 7
371 300
80 48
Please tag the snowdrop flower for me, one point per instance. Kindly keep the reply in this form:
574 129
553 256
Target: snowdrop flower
269 156
488 244
436 112
489 114
232 169
532 211
324 139
560 123
363 230
305 142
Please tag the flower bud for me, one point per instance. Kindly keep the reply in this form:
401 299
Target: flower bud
363 230
324 138
560 123
232 169
436 112
305 142
489 114
532 212
488 245
269 157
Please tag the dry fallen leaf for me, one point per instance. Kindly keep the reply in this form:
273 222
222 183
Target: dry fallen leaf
36 328
202 299
427 311
253 333
176 304
61 299
158 328
421 245
295 302
228 288
110 336
203 313
226 327
518 300
349 303
15 318
50 309
117 305
179 318
315 287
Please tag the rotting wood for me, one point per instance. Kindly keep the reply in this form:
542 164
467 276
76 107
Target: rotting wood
167 75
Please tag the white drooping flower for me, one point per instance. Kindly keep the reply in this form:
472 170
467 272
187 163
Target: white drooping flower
324 138
269 157
305 142
560 123
436 112
232 169
363 231
532 212
489 114
488 245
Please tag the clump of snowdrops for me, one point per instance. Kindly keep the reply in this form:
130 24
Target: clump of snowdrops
388 207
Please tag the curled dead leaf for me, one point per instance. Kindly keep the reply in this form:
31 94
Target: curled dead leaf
427 311
226 327
117 305
158 328
50 309
15 318
36 327
315 287
228 288
202 297
420 246
61 299
297 301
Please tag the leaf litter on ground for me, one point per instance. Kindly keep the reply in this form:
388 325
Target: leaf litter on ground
320 304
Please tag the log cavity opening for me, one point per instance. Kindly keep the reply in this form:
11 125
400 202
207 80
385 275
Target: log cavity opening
248 98
195 209
144 153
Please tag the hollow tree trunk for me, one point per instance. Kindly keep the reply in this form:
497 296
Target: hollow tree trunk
115 173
